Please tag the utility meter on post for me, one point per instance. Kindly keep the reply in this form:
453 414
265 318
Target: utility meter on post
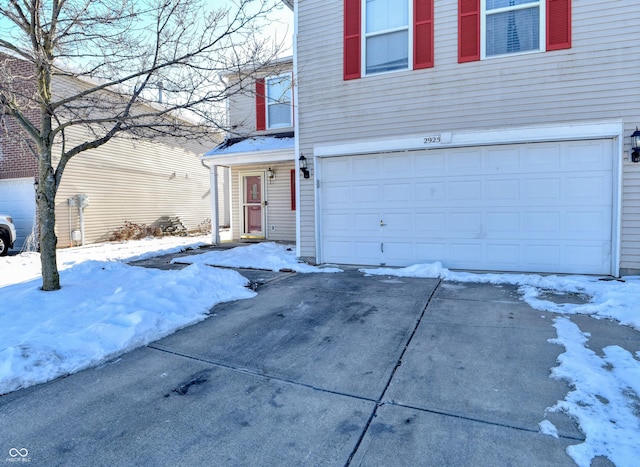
83 200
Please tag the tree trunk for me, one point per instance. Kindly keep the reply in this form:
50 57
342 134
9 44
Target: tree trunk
46 200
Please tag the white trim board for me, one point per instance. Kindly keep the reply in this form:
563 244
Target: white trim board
511 135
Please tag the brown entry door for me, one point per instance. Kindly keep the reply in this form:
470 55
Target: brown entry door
253 214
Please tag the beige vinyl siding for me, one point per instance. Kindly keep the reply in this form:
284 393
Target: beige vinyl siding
278 195
133 181
594 80
242 104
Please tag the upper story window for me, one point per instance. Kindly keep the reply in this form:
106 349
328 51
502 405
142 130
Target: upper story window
489 28
512 26
274 104
386 38
387 35
278 102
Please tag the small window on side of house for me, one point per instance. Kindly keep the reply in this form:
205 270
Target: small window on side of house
279 107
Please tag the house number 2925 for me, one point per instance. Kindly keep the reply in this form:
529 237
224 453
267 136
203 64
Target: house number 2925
432 139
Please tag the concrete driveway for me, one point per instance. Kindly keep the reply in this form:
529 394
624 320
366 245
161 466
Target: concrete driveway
318 369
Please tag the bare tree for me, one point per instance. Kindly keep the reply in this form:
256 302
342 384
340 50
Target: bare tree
104 68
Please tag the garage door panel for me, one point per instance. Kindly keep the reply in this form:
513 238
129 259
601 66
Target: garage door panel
467 190
433 163
503 224
354 251
465 224
337 169
396 193
365 168
588 225
542 190
339 223
465 161
530 207
429 252
336 196
398 224
586 256
430 223
364 195
365 224
396 251
588 189
466 255
543 224
588 155
396 166
504 256
503 159
543 157
503 190
429 191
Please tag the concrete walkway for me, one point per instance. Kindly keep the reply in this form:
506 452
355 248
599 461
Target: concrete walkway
319 369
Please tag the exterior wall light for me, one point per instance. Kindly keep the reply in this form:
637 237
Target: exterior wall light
302 163
635 146
271 174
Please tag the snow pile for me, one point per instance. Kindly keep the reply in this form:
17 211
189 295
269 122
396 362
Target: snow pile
619 300
605 399
26 266
104 309
268 256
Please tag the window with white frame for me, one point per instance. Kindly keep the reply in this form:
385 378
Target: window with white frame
278 101
387 30
512 26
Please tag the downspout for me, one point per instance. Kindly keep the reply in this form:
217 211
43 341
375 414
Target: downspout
213 183
296 128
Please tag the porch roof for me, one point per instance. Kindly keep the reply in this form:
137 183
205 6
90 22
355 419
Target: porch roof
253 144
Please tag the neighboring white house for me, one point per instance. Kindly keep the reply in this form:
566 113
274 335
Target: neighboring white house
124 180
258 157
484 135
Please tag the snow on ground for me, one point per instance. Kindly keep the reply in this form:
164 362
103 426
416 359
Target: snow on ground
269 256
604 398
605 395
106 308
26 266
619 300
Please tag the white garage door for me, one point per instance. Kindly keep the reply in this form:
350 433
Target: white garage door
539 207
17 199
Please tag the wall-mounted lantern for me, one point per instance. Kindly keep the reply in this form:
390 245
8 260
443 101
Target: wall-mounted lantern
271 174
635 146
302 163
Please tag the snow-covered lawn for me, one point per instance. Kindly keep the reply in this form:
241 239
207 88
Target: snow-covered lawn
107 307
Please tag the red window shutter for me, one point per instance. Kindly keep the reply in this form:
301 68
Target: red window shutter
468 30
293 189
351 39
422 34
261 106
558 24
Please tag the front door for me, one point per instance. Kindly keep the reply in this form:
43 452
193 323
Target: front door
253 206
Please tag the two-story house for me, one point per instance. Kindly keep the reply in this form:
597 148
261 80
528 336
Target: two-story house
258 156
485 134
